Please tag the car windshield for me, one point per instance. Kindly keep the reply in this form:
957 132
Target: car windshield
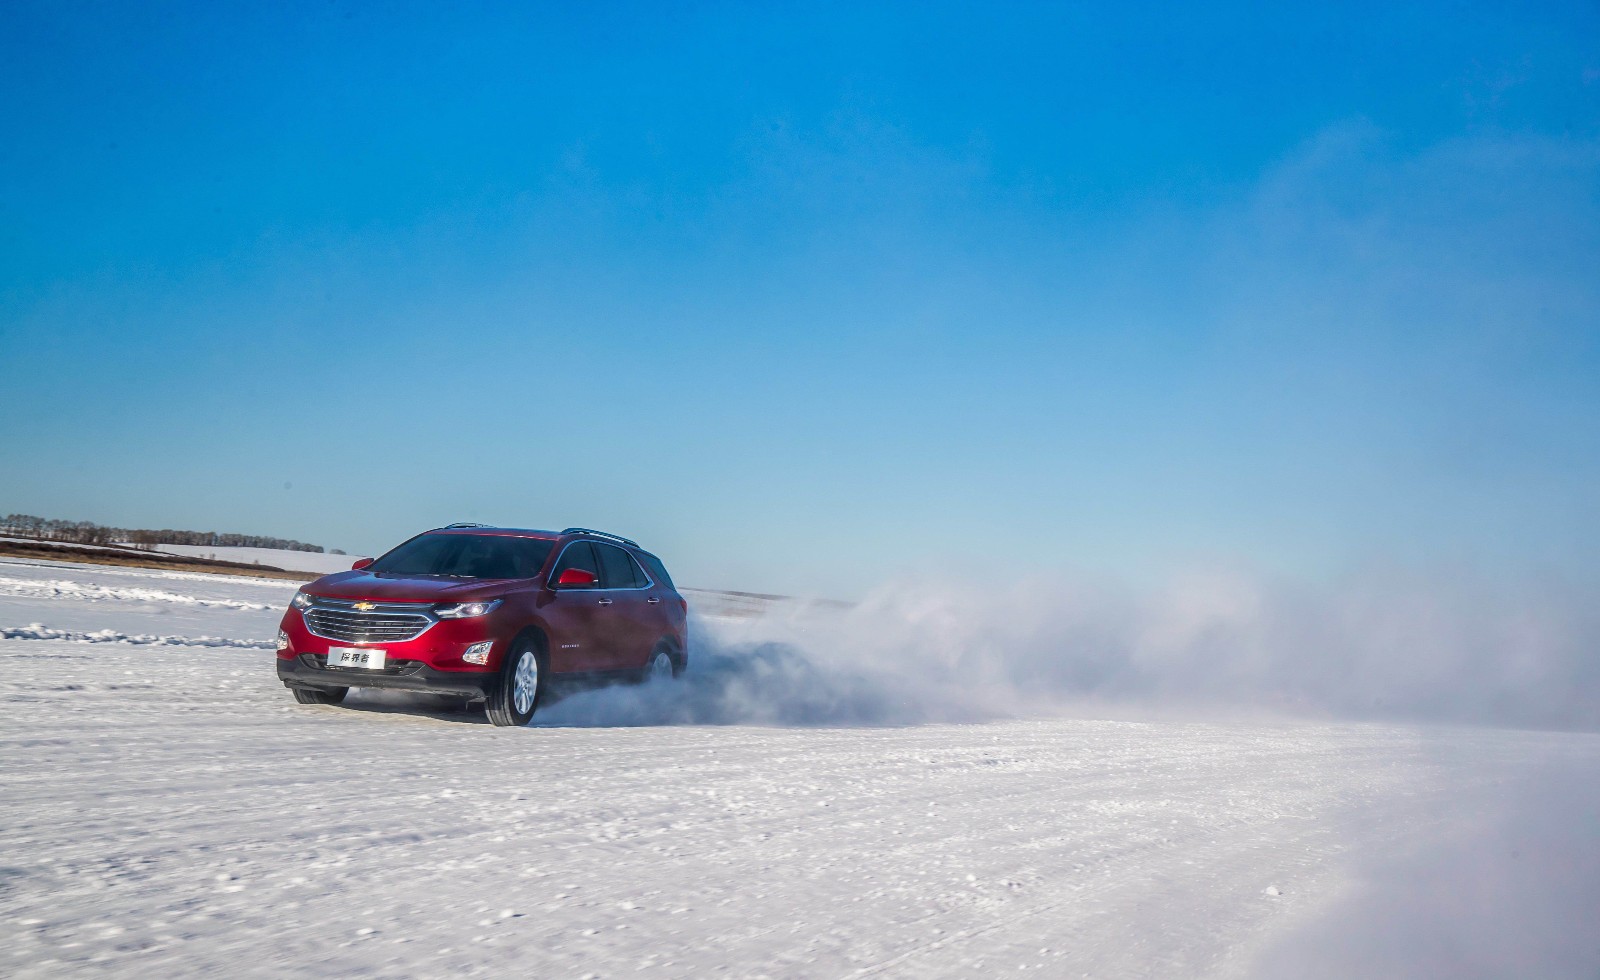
466 556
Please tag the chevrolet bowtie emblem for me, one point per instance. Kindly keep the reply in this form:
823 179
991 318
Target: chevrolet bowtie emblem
366 606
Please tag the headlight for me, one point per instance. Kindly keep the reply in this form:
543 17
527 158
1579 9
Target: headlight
300 601
283 641
478 653
466 610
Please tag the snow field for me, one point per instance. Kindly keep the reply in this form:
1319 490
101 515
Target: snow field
245 832
169 811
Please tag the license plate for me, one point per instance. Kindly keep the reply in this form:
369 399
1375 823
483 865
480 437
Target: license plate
356 657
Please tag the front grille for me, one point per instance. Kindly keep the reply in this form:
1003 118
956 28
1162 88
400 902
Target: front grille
387 622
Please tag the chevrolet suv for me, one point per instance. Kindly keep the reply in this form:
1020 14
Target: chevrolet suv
488 614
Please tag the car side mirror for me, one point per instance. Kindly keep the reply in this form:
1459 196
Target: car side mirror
577 578
360 564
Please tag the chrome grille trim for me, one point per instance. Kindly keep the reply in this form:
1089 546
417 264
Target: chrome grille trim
388 622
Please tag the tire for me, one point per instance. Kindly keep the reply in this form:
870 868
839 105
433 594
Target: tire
662 665
319 695
522 682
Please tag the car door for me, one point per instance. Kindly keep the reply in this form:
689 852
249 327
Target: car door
629 622
578 619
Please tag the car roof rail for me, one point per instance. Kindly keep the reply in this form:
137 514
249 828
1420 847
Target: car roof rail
449 526
602 534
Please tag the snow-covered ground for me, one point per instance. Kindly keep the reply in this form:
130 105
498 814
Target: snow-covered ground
167 810
290 561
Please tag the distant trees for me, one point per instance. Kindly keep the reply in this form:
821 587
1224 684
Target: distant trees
77 532
85 532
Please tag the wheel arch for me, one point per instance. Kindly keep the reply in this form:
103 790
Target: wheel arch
541 639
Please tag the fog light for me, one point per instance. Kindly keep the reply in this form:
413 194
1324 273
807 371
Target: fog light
283 641
478 653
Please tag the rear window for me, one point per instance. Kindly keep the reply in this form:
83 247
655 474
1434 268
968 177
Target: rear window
466 556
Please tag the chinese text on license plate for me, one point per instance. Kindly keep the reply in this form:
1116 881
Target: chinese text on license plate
356 657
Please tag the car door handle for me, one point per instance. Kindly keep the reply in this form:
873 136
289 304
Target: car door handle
653 599
604 602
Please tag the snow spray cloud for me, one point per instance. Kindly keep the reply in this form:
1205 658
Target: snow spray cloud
1384 644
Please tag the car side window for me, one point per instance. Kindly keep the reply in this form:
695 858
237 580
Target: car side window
579 554
640 578
657 570
620 572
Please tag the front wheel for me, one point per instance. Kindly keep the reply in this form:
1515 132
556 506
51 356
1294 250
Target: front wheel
521 682
319 695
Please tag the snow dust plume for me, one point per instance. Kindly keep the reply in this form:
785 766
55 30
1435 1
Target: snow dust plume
762 683
1384 644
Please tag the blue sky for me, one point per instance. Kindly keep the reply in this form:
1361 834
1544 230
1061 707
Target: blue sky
806 297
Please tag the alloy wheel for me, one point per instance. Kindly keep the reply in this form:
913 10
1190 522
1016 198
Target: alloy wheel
525 683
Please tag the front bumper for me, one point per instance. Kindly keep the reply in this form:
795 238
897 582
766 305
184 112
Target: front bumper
440 646
306 670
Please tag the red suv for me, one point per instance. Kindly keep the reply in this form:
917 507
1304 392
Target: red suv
486 613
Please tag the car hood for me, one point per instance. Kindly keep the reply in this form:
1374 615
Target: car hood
404 588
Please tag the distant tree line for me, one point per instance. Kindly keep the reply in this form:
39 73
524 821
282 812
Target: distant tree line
85 532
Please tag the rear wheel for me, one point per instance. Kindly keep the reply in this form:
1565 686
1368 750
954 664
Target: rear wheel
319 695
661 666
521 683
